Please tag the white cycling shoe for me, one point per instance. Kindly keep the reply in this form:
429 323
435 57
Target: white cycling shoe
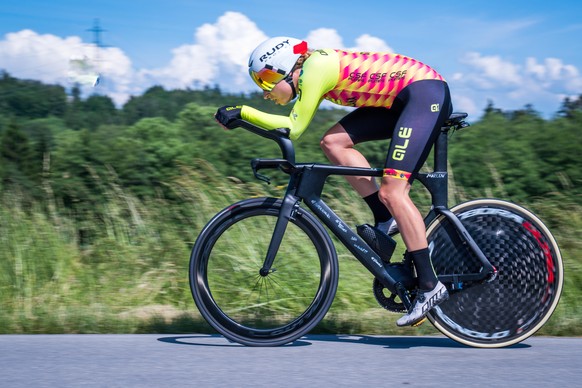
389 227
424 302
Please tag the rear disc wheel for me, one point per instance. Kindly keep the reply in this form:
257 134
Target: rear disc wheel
529 282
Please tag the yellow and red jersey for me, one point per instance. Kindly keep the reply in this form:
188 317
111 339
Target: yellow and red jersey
346 78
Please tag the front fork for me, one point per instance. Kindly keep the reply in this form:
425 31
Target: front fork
288 210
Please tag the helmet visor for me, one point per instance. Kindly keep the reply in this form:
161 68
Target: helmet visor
267 78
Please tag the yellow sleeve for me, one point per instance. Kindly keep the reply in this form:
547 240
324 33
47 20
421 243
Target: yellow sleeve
319 75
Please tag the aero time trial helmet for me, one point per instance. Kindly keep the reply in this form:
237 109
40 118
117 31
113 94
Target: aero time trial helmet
274 59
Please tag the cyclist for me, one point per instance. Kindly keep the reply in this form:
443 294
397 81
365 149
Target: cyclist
395 97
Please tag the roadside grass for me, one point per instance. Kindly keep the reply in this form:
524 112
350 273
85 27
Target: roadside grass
131 276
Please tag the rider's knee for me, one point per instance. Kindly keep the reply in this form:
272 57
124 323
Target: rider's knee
389 197
393 193
331 146
335 141
324 144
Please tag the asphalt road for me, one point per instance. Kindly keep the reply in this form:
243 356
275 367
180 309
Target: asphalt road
314 361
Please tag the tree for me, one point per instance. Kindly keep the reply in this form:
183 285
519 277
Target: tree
18 166
31 99
569 106
94 111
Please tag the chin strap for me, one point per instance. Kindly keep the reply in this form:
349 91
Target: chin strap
289 80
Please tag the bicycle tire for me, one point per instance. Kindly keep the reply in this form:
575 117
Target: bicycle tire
526 291
256 310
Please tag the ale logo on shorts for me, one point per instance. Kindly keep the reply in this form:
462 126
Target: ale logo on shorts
434 108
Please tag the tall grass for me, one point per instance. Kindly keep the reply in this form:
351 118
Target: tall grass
131 276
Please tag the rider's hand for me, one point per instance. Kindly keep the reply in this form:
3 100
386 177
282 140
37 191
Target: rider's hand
227 115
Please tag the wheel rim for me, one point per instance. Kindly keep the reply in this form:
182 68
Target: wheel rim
243 303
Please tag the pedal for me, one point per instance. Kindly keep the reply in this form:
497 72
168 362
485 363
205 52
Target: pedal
380 242
419 322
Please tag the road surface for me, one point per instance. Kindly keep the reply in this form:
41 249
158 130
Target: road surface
200 360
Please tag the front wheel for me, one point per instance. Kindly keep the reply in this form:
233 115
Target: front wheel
530 276
257 309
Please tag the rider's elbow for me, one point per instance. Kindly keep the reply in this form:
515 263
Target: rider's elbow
295 133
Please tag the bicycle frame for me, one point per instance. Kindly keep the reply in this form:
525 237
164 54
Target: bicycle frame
436 183
306 185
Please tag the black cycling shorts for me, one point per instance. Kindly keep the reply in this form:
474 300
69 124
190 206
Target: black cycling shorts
413 123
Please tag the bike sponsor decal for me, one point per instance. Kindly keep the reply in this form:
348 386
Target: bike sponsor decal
320 208
356 76
348 102
341 225
547 254
274 50
360 248
436 175
482 211
404 133
375 260
526 325
468 332
431 302
292 327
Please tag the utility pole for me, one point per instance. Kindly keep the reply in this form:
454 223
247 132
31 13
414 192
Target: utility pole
97 30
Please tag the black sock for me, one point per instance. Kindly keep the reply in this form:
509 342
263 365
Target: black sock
380 211
427 279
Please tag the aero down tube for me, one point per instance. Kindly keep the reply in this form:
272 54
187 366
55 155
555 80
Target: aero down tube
352 241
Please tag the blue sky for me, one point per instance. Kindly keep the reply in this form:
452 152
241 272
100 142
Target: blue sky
509 52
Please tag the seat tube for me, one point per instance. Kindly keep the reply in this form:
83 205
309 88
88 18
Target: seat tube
441 152
439 188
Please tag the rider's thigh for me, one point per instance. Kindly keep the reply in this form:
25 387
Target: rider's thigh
335 140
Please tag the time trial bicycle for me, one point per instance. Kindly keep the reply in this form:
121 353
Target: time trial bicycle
264 271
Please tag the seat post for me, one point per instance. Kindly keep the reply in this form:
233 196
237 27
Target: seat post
440 151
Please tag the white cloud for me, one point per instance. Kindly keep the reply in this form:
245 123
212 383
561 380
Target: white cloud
463 103
493 69
219 55
330 38
219 52
554 73
371 43
47 58
324 38
512 85
27 54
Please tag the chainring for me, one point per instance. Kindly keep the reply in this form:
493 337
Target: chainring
391 303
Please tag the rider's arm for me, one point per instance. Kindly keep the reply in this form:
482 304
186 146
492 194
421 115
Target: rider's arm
319 75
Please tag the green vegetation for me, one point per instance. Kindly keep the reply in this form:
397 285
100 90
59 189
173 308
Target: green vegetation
100 206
